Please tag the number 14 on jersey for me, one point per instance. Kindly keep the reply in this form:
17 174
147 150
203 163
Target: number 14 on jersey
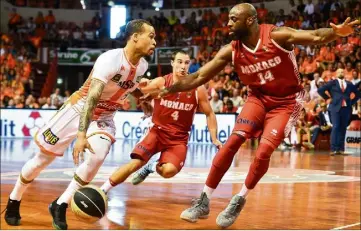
265 77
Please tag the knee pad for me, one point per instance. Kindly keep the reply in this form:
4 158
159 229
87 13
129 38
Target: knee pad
101 145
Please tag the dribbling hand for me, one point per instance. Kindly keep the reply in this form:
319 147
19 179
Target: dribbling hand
79 148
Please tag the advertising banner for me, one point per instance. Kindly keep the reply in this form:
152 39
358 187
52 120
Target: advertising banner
87 57
22 123
77 56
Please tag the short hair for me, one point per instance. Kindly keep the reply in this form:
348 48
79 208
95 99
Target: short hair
174 54
135 26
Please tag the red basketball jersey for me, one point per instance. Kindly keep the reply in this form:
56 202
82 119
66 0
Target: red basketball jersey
174 113
269 69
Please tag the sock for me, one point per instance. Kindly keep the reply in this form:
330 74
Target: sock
19 189
153 166
244 191
223 160
29 172
108 185
208 191
259 166
69 192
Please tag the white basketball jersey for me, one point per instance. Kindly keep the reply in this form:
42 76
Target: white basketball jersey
120 78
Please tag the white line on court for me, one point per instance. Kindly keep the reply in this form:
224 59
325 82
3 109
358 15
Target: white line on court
347 226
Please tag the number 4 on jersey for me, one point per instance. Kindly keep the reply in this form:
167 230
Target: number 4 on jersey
267 77
175 115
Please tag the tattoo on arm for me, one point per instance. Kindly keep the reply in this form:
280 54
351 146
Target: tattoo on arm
95 91
326 34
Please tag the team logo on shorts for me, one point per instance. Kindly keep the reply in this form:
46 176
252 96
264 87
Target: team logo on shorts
49 137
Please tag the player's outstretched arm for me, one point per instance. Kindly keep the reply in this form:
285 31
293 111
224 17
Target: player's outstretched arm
206 108
286 36
204 74
95 91
151 86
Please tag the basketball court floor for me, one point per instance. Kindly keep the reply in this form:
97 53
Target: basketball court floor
301 190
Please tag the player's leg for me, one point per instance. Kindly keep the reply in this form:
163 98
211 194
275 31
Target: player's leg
53 139
248 124
277 125
140 155
172 160
100 139
169 164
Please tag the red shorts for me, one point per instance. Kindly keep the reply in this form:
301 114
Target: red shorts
272 118
172 150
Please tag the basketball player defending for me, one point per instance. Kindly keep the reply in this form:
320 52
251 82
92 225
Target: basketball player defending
172 118
264 59
87 116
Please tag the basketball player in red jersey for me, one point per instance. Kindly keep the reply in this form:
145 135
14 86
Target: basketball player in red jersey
172 117
264 59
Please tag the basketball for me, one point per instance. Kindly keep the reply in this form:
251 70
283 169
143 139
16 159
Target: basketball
89 203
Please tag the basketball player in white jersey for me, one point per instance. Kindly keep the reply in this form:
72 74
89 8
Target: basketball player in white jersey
88 116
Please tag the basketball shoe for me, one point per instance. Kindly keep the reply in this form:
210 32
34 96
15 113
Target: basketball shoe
199 209
228 216
12 214
140 175
58 212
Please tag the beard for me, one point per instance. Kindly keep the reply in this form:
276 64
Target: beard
241 34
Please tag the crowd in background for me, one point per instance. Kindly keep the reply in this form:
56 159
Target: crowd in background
204 28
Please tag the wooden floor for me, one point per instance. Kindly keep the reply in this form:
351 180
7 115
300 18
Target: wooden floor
300 191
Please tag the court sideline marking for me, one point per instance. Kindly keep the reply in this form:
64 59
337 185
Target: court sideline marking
347 226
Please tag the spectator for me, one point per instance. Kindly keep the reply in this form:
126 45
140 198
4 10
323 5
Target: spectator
355 78
55 97
325 122
303 127
229 108
172 20
236 98
309 8
183 18
262 13
194 67
50 18
49 104
216 103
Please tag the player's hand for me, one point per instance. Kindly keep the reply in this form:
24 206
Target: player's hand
79 148
346 28
143 83
218 144
147 109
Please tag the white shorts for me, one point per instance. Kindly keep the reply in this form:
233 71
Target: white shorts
58 133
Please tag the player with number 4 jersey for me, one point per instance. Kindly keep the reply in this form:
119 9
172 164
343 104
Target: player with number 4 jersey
172 118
